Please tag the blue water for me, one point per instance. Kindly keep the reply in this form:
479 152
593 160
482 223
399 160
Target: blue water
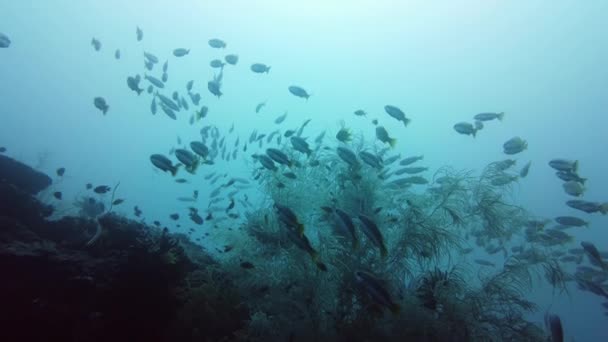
543 63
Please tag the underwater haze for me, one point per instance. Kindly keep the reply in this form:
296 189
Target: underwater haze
468 85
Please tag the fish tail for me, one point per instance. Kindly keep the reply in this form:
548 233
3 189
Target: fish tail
474 133
604 208
139 91
500 116
392 142
175 169
406 121
268 70
105 110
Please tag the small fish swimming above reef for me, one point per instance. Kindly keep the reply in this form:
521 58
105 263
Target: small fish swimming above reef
100 103
397 113
299 92
260 68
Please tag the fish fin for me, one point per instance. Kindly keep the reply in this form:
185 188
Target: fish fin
575 168
474 133
175 169
395 308
268 70
604 208
406 121
392 142
500 116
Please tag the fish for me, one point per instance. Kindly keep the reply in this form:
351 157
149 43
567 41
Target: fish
117 54
181 52
214 85
514 145
150 57
133 84
371 230
489 116
570 176
153 107
260 68
195 217
588 207
200 148
302 242
155 81
360 112
382 135
300 145
139 34
167 102
164 163
2 149
102 189
136 211
174 217
267 162
189 85
347 155
60 171
371 159
410 170
181 181
397 113
94 42
278 156
118 201
281 118
374 288
594 255
345 225
571 221
574 188
187 158
164 77
231 59
217 43
344 135
524 170
150 89
503 180
298 91
564 165
58 195
465 128
89 186
410 160
170 113
260 106
216 63
100 103
5 41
